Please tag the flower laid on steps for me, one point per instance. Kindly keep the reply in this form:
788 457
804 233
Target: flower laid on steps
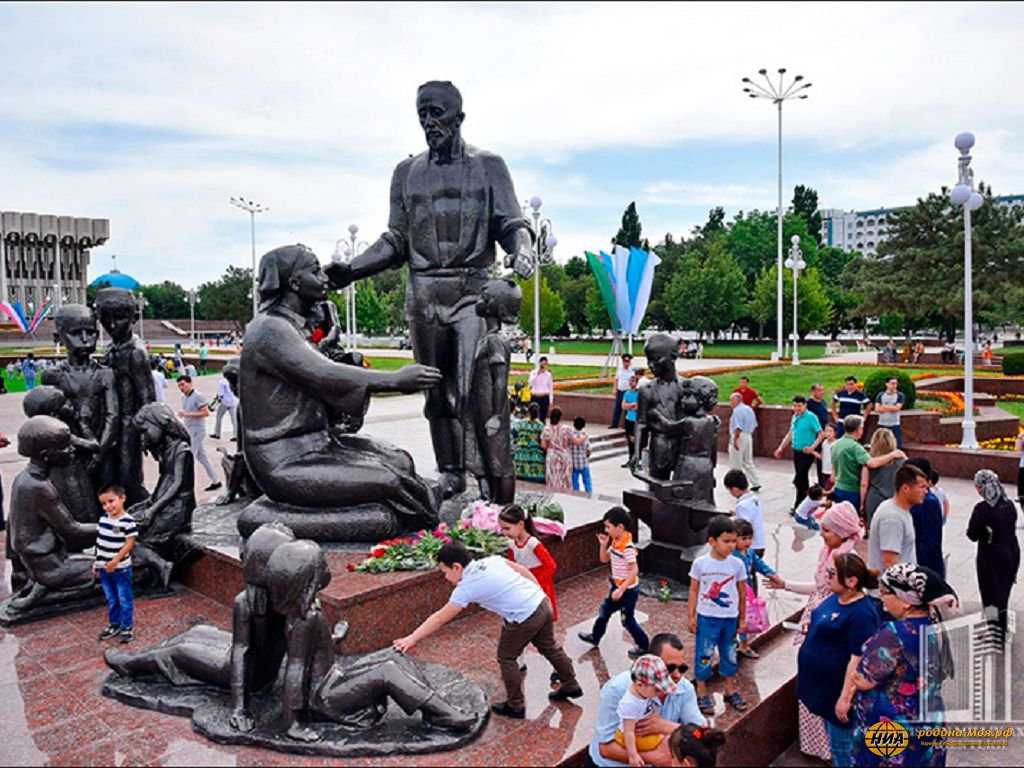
419 552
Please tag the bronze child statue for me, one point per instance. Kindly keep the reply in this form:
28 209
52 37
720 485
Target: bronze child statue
489 456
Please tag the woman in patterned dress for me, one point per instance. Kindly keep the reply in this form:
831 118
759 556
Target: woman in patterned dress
557 441
528 455
891 686
840 531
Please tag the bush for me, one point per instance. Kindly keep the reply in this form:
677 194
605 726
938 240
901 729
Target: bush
875 383
1013 363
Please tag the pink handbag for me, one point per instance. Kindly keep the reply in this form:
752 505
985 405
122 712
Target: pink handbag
757 613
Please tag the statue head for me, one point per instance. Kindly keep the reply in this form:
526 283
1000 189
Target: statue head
155 422
295 572
48 401
45 440
76 327
439 106
291 270
699 395
662 351
117 311
501 299
257 549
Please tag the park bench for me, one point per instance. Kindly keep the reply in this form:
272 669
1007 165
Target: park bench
834 348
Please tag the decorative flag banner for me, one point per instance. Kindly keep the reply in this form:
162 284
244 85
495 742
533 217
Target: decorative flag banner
16 314
624 278
40 315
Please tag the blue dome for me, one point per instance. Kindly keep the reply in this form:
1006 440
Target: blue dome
117 280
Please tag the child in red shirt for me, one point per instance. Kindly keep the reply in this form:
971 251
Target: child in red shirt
527 550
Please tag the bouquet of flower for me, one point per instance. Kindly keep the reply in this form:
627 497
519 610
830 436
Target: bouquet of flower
664 591
419 552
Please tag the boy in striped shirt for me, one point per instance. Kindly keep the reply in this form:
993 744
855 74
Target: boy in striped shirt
617 548
115 538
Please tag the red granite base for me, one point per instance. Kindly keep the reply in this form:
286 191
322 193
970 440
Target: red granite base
388 605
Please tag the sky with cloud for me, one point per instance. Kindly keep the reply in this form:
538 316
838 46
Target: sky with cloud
154 115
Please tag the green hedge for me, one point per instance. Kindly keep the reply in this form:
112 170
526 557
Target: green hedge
1013 363
875 383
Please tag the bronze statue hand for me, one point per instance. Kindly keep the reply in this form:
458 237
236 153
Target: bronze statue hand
339 274
413 378
521 262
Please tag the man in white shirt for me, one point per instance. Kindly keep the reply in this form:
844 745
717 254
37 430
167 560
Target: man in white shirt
226 403
622 377
508 589
159 381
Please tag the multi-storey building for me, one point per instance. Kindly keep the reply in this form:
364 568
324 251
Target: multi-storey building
864 231
44 256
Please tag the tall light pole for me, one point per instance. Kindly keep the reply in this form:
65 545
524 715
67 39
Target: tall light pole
253 209
141 300
192 299
963 194
795 262
777 95
543 254
351 251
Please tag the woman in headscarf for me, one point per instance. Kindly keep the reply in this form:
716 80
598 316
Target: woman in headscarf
840 532
359 488
994 526
891 683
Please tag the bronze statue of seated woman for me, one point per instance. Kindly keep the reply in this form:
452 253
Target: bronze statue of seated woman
325 485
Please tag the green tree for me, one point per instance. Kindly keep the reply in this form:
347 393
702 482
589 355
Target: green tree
597 313
708 291
552 312
814 305
577 267
845 300
371 313
574 299
805 204
229 298
630 232
919 271
167 300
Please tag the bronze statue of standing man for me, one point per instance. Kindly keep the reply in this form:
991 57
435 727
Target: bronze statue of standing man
449 205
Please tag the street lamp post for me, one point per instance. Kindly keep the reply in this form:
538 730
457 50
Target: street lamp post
192 299
777 95
963 194
253 209
543 254
141 300
351 251
795 262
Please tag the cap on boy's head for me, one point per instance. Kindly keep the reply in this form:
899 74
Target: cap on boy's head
112 299
736 478
42 433
651 670
719 525
617 516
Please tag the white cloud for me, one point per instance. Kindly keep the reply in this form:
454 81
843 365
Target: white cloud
307 107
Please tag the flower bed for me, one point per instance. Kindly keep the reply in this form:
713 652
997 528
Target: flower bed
954 402
419 552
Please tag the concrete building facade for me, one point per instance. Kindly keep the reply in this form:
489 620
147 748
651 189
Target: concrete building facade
45 256
864 231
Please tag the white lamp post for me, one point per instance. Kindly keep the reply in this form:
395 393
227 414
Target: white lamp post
543 254
777 95
963 194
350 252
796 263
192 299
141 300
253 209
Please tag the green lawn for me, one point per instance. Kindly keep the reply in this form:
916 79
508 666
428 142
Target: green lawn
1017 409
778 384
519 370
720 349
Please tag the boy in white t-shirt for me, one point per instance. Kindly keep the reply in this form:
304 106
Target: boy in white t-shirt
641 700
718 611
824 455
